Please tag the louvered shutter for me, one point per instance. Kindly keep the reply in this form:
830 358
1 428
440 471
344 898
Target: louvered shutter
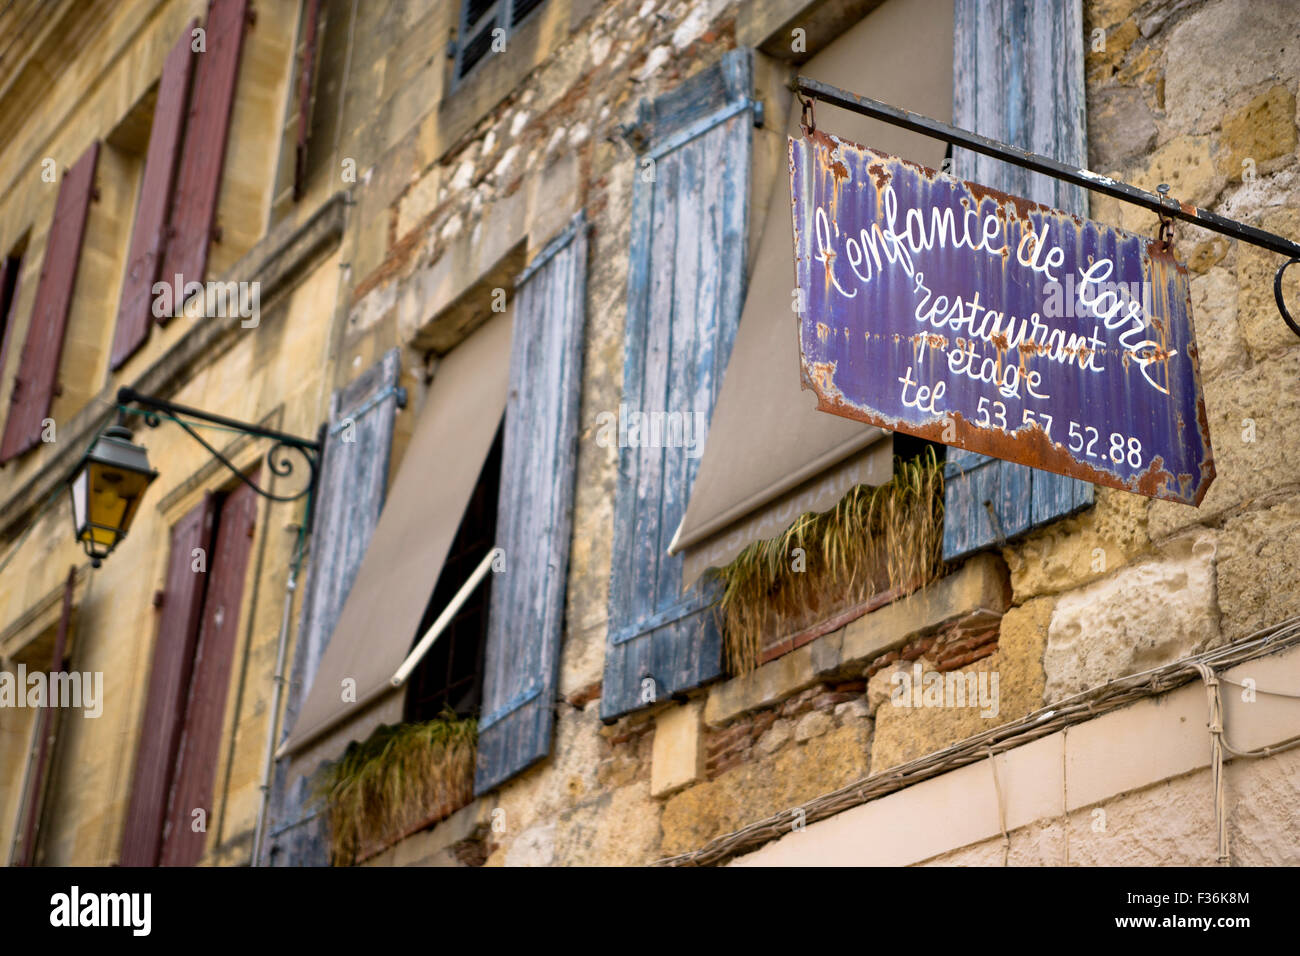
194 779
169 681
149 234
535 512
686 282
478 19
349 497
198 180
519 10
1017 78
35 382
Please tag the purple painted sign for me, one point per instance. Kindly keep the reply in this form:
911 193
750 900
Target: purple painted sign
947 310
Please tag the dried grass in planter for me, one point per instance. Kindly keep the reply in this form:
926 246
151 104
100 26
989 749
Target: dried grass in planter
875 539
399 780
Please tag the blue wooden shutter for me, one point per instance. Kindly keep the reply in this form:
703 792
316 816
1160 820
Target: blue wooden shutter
1018 78
535 511
686 282
349 496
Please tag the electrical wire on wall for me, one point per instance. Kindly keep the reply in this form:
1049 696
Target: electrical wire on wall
1077 708
1219 744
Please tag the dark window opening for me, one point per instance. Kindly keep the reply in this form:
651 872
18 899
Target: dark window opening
13 264
11 269
451 674
908 447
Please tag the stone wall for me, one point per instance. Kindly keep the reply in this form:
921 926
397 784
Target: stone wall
1129 584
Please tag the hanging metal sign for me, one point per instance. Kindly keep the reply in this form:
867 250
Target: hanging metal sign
950 311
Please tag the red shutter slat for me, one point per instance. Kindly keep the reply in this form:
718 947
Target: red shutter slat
169 681
304 97
149 235
38 369
198 181
196 763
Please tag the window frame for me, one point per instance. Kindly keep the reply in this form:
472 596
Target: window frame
480 28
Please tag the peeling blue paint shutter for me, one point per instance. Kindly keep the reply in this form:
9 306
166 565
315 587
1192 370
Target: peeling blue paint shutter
1018 78
686 282
349 496
535 511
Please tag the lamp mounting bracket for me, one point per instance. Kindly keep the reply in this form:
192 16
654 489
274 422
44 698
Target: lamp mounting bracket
276 457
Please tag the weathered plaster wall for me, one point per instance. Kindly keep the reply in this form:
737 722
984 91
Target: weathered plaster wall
1169 824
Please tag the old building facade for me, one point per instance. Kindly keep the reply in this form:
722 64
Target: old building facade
522 269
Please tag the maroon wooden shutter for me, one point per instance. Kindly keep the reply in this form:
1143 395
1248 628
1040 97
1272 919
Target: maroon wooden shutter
149 235
196 764
305 79
198 181
169 682
39 367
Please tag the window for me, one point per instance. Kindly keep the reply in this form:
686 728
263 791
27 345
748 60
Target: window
481 23
30 737
179 747
451 674
10 286
305 108
752 486
105 250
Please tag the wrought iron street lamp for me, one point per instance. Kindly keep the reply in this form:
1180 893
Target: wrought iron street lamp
106 490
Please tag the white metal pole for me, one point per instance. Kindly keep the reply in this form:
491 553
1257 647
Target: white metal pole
431 635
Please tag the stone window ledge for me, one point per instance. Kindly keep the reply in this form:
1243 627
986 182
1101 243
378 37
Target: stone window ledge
979 584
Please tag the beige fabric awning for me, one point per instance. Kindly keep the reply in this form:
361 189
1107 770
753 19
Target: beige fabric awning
383 610
770 455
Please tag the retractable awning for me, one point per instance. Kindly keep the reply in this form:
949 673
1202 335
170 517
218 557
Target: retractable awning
769 451
770 455
433 486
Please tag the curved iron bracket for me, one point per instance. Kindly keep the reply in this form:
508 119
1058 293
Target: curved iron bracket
282 468
1277 294
277 459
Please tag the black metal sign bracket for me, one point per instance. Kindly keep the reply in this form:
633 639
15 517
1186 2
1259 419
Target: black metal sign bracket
1161 205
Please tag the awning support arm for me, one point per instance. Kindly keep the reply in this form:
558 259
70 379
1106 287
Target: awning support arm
445 618
924 125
